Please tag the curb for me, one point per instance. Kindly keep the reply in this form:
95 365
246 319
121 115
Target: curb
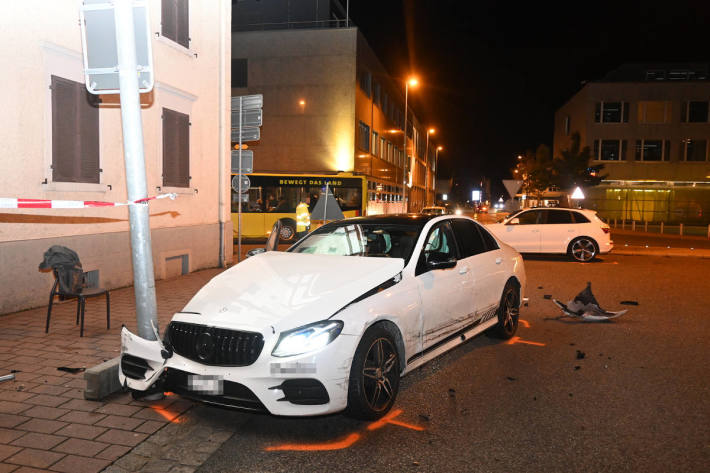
102 380
670 252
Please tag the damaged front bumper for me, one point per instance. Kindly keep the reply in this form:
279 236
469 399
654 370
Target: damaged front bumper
303 385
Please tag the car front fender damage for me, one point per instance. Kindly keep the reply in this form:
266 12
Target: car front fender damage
139 348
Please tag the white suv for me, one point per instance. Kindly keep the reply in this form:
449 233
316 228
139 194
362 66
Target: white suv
576 232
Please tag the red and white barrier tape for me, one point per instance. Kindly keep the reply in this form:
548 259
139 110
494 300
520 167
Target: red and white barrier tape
10 203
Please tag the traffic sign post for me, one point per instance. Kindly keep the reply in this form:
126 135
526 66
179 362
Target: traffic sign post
116 45
247 112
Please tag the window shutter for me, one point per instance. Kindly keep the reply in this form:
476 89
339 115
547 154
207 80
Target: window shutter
623 150
597 112
168 19
183 23
625 112
176 149
64 143
88 108
667 151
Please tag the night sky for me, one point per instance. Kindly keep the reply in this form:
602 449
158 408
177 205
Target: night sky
494 72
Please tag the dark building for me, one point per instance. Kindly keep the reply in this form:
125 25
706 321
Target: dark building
649 125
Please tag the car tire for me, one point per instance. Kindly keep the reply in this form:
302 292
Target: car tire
288 232
374 375
583 249
508 312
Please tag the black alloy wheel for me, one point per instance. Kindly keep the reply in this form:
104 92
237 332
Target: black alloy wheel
287 232
508 312
583 249
374 375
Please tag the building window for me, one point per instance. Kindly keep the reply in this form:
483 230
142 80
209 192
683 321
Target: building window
375 144
654 112
75 132
363 137
239 73
694 112
656 74
176 149
175 21
365 81
567 124
610 150
652 150
611 112
694 150
377 94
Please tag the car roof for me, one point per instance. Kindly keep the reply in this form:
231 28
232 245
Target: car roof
418 220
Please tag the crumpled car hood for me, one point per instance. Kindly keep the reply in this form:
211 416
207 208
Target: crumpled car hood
286 290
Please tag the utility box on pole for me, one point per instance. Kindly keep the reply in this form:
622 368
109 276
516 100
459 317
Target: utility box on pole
118 60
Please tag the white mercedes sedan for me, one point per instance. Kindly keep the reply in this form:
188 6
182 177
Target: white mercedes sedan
333 323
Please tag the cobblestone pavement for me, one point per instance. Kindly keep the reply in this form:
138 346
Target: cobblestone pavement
45 422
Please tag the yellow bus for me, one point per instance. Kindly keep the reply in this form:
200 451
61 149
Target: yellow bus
274 196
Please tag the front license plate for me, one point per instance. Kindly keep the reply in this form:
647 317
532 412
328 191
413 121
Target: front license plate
205 384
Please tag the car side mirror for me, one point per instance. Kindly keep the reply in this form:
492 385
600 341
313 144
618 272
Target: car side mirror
513 221
272 243
437 260
255 252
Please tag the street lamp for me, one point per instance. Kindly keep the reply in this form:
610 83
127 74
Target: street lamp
436 167
429 131
413 82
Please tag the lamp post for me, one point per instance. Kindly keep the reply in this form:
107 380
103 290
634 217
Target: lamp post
413 82
436 167
430 131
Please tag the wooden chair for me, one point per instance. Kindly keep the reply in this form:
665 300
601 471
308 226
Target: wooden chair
81 295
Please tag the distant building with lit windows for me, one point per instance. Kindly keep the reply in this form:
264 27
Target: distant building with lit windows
329 104
649 125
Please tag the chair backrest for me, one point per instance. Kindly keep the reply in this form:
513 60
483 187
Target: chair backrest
71 280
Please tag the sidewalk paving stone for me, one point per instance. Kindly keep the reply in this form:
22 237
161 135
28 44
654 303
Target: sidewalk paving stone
37 440
35 458
43 426
76 464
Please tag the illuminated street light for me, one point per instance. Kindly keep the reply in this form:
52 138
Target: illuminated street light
413 82
301 102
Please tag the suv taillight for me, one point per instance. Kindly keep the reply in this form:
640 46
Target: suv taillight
606 229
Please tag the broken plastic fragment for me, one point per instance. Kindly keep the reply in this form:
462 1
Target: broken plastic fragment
586 307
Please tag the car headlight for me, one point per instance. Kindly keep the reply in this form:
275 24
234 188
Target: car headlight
458 212
307 338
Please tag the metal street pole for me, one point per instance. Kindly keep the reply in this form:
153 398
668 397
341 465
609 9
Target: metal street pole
142 255
426 157
239 197
404 149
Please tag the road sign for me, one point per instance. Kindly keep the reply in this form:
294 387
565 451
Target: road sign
249 117
249 133
246 183
249 102
247 162
512 186
98 34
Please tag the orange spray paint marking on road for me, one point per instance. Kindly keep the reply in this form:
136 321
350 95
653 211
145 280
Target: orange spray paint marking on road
389 419
347 441
515 340
525 323
316 447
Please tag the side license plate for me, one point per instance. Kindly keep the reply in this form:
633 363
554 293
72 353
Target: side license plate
205 384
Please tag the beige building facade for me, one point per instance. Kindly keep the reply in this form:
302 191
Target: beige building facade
62 144
329 106
649 126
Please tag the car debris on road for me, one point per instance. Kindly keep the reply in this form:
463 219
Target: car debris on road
585 306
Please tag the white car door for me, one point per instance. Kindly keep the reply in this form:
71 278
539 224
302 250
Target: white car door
524 235
483 258
443 291
558 229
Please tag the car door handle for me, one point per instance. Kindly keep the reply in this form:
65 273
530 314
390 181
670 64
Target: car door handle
499 260
463 270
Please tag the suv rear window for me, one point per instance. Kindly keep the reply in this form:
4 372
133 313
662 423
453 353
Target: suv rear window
579 218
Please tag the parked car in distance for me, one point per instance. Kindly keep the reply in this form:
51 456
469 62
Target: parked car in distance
579 233
334 322
434 210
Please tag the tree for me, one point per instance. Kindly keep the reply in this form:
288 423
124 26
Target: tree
572 167
536 170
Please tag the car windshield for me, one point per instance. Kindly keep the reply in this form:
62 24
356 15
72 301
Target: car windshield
354 239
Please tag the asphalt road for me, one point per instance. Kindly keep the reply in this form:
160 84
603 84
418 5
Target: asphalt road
638 400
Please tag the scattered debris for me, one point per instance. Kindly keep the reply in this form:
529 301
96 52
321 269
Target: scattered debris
415 463
580 354
572 344
577 367
452 392
71 370
7 377
570 394
586 307
539 287
629 303
510 378
534 398
547 296
424 417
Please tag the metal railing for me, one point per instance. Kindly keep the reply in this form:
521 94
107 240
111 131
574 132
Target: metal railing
661 228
